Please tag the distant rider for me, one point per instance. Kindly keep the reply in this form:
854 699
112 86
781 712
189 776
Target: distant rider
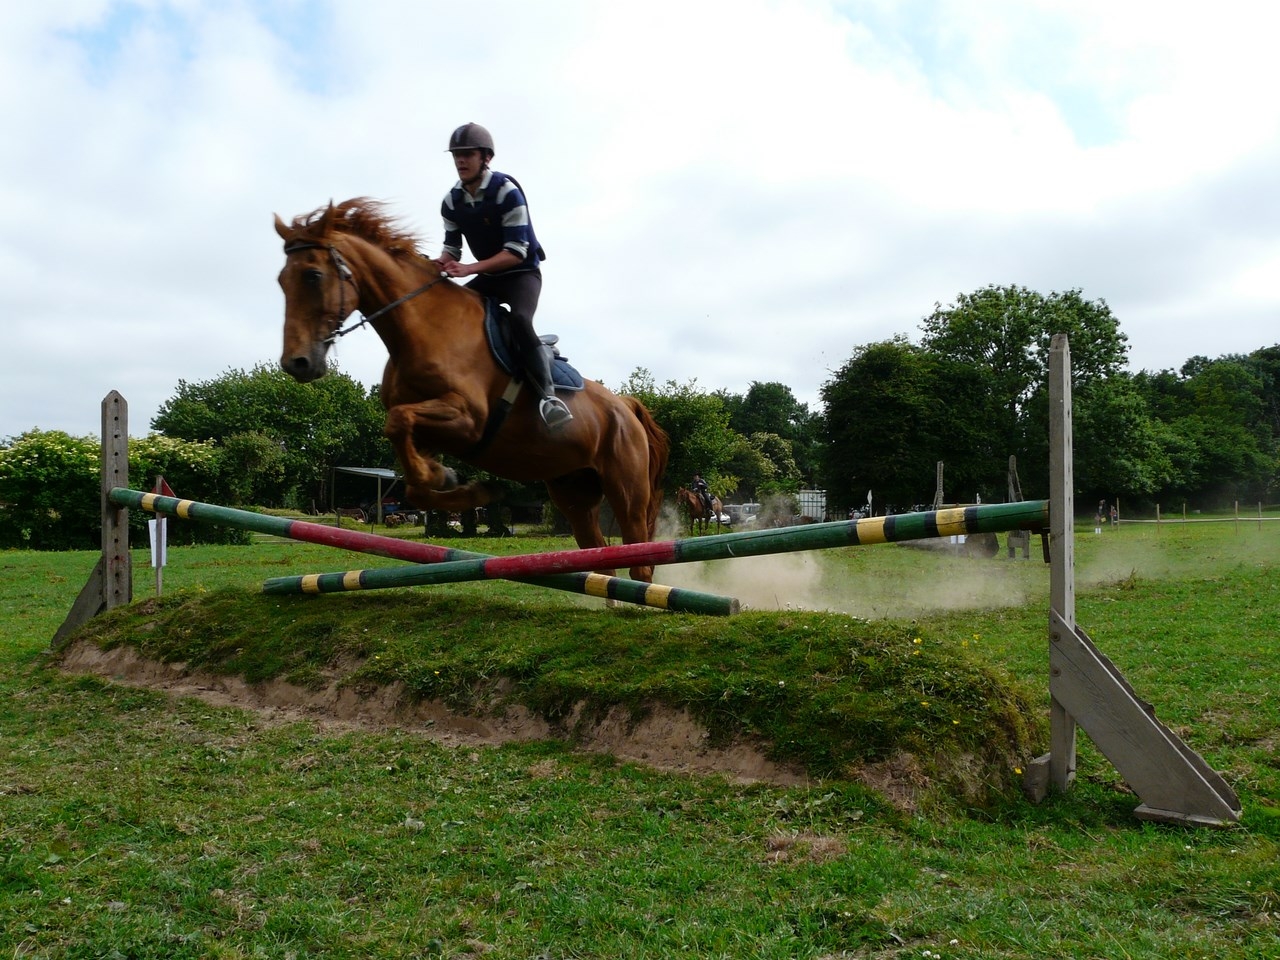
488 210
699 486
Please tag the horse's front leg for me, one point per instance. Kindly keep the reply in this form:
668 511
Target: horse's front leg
429 485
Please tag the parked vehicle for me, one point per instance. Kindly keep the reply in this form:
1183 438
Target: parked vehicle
742 514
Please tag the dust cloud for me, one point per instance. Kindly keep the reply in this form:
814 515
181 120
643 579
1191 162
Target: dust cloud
1148 552
861 581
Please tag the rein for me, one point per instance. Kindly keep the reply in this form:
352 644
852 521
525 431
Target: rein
346 273
503 407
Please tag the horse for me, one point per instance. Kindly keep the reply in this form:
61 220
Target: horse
697 509
442 389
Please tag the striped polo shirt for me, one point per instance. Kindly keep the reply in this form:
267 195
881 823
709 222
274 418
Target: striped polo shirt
495 219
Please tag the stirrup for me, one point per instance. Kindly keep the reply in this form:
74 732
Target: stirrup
554 412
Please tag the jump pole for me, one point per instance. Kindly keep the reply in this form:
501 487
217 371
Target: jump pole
590 584
987 518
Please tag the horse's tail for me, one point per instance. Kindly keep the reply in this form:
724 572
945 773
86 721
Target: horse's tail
659 452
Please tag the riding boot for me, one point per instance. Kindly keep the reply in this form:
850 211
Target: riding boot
554 411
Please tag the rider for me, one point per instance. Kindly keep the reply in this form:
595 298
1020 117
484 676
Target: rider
699 486
488 210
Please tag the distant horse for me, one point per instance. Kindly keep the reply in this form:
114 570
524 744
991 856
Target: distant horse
444 392
694 505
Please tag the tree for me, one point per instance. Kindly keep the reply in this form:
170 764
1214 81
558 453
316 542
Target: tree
751 468
772 408
1122 450
784 473
1264 364
250 416
863 451
1006 332
1220 428
698 425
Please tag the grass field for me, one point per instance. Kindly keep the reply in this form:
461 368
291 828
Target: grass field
137 825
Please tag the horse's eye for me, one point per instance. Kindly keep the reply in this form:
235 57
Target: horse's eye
312 276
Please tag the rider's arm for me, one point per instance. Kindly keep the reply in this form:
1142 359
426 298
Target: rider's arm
502 260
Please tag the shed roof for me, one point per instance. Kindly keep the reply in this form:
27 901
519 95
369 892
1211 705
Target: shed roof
382 473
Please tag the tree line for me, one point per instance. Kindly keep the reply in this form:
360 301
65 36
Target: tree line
971 392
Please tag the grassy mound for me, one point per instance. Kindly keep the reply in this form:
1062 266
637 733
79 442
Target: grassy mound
840 697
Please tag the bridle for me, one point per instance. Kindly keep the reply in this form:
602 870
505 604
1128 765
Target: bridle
346 274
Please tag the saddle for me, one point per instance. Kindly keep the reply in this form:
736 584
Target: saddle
497 330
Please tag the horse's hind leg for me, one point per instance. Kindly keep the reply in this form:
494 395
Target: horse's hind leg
631 510
578 497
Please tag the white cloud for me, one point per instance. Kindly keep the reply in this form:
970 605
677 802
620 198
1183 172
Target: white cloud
729 191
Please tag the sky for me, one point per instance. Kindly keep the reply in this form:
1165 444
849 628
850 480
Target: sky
728 192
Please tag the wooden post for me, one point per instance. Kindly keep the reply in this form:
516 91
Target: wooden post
118 572
1085 687
111 582
1062 555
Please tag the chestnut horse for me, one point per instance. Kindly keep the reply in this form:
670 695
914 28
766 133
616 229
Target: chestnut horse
441 386
698 513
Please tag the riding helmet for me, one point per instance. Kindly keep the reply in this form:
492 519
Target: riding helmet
471 136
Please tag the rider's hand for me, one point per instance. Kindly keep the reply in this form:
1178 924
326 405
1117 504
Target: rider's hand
453 268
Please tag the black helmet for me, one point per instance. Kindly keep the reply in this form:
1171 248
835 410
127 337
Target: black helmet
471 136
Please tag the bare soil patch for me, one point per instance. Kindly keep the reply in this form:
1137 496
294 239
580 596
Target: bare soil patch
664 738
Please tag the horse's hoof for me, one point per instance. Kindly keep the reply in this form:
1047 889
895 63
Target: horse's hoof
450 479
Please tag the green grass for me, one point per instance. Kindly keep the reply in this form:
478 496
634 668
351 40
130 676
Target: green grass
137 825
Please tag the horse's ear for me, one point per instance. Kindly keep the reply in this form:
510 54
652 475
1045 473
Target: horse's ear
286 234
325 223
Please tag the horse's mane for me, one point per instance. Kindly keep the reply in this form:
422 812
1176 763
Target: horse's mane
364 218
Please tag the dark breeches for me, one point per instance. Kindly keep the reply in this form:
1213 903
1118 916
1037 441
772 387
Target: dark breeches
520 292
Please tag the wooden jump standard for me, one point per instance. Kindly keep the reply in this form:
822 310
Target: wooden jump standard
592 584
1086 688
990 518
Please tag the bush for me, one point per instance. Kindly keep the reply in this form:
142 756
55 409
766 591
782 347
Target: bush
51 489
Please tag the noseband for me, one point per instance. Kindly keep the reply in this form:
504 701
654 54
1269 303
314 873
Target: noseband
345 273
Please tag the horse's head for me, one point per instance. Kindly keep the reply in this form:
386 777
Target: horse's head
319 294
